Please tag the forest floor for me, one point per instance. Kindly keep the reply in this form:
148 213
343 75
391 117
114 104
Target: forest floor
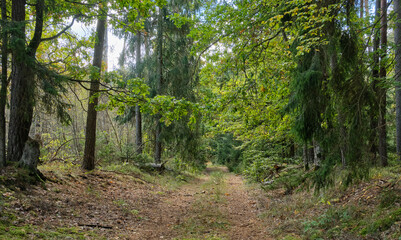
121 202
117 205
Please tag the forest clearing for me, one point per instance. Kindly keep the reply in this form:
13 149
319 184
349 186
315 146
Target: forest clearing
200 119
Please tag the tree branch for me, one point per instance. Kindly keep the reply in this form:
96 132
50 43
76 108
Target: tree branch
84 4
61 32
34 43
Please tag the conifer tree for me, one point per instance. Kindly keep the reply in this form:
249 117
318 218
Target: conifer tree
4 82
397 72
138 114
22 76
382 91
90 136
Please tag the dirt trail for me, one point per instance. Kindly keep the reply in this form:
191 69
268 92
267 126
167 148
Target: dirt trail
216 206
109 205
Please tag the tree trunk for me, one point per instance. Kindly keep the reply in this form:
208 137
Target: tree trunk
316 154
343 139
382 91
375 75
397 40
158 144
138 115
23 76
4 83
90 136
306 157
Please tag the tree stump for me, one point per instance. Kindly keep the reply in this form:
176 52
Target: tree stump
30 156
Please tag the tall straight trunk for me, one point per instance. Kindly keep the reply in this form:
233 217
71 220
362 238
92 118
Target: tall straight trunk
138 115
361 8
397 69
375 75
306 156
4 84
22 77
343 139
382 91
90 136
158 143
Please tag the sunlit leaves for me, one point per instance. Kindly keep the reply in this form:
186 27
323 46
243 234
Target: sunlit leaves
124 93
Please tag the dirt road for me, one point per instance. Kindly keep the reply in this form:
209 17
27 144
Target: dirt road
216 206
110 205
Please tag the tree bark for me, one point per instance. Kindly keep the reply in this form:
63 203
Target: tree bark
158 143
4 83
382 91
23 76
306 157
397 40
138 115
90 136
375 82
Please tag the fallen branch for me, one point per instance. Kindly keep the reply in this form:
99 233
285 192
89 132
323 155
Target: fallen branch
95 226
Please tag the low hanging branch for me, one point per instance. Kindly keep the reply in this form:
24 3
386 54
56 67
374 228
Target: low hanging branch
61 32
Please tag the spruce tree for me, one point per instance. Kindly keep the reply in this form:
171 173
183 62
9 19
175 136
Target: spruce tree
4 82
397 72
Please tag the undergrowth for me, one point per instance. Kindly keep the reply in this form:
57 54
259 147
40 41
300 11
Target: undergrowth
370 209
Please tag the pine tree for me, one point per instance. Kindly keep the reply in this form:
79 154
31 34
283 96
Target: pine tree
90 136
138 114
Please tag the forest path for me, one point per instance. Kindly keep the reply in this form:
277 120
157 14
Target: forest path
215 206
114 205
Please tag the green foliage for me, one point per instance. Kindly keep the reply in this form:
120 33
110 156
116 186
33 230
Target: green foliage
388 198
180 165
29 231
224 150
107 149
330 224
383 223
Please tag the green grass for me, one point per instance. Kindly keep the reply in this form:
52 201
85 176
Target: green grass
383 223
32 232
168 180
